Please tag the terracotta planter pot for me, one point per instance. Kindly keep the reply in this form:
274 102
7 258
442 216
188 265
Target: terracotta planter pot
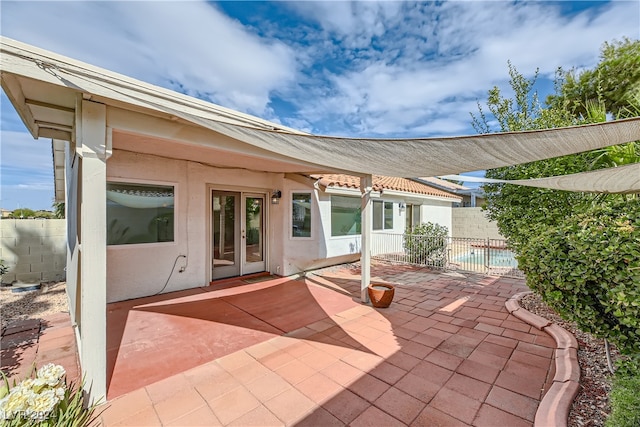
381 294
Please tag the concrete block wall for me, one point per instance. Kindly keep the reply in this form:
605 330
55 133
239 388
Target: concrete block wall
472 223
35 250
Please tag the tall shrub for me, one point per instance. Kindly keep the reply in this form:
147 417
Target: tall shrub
427 244
587 267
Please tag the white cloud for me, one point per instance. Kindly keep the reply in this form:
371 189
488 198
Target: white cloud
402 83
188 46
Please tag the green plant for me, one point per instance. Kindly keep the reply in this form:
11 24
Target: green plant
23 213
587 267
44 399
58 210
3 268
625 395
426 244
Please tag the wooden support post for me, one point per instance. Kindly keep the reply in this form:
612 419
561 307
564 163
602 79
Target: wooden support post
93 245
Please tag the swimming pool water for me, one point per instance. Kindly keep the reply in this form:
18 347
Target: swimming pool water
497 257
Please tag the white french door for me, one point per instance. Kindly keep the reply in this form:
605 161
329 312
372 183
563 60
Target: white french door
238 234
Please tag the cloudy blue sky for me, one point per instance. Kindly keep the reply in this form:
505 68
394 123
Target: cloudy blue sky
390 68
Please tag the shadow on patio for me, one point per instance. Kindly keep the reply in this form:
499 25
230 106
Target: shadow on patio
445 353
152 338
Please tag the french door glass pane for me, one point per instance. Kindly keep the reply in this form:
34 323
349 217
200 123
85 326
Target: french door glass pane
254 248
224 230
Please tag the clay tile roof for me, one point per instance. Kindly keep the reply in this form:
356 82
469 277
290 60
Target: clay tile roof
381 183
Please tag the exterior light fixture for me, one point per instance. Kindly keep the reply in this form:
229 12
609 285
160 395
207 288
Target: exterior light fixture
402 206
275 197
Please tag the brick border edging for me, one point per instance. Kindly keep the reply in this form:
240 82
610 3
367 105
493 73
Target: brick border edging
556 403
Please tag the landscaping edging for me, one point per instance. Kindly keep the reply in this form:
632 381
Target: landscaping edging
556 403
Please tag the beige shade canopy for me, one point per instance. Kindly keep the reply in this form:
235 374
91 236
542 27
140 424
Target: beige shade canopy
621 180
29 72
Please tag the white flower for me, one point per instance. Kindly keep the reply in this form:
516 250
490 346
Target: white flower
60 391
51 374
4 415
38 384
16 402
41 404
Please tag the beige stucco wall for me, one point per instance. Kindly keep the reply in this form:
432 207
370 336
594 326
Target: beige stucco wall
135 271
472 223
33 249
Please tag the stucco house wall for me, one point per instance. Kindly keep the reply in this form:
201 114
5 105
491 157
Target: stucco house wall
137 270
438 212
322 249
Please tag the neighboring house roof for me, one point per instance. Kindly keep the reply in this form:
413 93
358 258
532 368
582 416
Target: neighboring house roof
452 187
381 183
441 183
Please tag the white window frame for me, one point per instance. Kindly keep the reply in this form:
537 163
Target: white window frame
134 181
393 213
347 195
290 215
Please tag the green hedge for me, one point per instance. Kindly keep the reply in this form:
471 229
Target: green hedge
588 269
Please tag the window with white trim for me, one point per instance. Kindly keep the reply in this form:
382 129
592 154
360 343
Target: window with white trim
382 215
301 214
139 213
345 216
412 216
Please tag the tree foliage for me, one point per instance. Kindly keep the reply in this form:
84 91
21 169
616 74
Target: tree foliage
580 252
519 211
587 267
615 81
58 210
23 213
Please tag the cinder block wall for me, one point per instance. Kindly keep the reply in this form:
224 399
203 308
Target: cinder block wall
33 249
472 223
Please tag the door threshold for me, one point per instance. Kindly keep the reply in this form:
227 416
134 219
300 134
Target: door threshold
226 280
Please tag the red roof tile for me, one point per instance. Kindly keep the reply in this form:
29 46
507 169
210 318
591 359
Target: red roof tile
381 183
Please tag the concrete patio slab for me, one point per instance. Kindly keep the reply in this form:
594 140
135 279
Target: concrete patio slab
446 352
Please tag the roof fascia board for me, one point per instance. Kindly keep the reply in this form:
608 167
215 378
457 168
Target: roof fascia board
347 191
58 152
12 88
397 193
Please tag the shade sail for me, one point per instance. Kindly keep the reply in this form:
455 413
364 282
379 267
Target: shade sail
431 156
391 157
621 180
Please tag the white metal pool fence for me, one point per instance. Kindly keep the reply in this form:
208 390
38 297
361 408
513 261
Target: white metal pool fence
488 256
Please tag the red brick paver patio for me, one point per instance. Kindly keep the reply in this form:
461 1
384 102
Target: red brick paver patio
36 342
446 352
